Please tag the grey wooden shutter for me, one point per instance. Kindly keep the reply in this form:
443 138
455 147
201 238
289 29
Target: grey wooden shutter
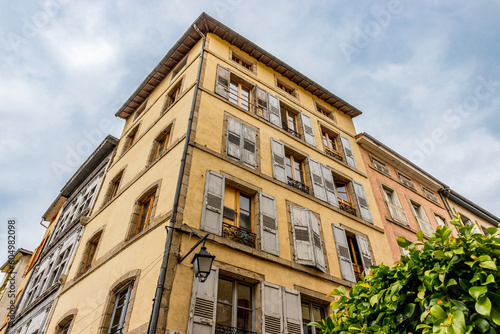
304 251
278 159
343 253
366 255
362 202
234 134
308 130
292 312
349 157
331 194
316 241
249 143
203 304
213 203
222 82
260 101
317 180
268 224
274 110
272 308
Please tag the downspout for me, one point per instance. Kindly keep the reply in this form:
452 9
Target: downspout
445 201
170 229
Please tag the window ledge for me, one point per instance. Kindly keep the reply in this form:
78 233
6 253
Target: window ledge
395 222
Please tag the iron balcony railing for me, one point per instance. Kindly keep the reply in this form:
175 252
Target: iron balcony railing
347 208
240 235
333 154
291 131
296 184
221 329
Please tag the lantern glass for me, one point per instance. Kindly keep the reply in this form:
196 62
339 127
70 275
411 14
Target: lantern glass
202 264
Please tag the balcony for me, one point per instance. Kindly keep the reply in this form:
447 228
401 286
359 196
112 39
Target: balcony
296 184
221 329
239 235
291 131
333 154
346 207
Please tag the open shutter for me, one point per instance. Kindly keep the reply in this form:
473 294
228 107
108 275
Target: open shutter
278 158
317 180
363 203
260 102
203 304
268 224
349 157
331 195
366 255
272 308
222 82
274 110
308 130
317 246
213 202
292 312
234 134
304 252
249 155
344 254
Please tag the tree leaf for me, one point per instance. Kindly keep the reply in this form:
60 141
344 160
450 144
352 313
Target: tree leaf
482 325
492 230
477 291
420 235
403 242
488 265
438 313
495 316
483 306
458 321
490 279
408 310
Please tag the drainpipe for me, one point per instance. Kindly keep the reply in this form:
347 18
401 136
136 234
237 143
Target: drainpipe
445 201
170 229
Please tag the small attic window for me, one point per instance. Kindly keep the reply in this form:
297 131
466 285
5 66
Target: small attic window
178 68
139 110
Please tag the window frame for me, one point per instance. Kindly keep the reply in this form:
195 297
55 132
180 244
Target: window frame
92 246
173 95
140 110
325 111
237 207
130 139
430 195
123 316
240 84
287 88
234 303
286 112
293 159
406 181
149 201
180 65
310 306
252 66
380 165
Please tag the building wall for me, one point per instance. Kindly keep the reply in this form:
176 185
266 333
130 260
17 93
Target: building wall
464 213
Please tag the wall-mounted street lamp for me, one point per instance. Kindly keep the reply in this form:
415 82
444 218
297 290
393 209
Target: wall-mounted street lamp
202 261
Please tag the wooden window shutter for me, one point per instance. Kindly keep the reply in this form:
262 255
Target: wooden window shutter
222 82
249 146
292 312
316 241
234 134
203 304
349 157
272 308
362 202
213 203
268 224
331 194
260 101
366 254
308 130
317 180
343 253
302 236
278 160
274 110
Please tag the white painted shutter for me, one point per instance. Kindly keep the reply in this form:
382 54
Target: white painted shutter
274 110
362 202
343 253
249 144
278 158
234 134
260 101
292 312
317 180
213 203
304 252
316 241
268 224
203 304
222 82
331 194
308 130
366 255
349 157
272 308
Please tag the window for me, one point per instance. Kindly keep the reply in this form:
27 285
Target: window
406 181
115 185
311 312
421 218
324 111
145 214
120 309
178 68
395 210
173 95
139 110
90 253
380 166
466 221
64 326
238 216
295 172
161 144
240 61
331 146
234 306
129 140
241 142
344 196
239 93
289 121
286 88
440 220
430 195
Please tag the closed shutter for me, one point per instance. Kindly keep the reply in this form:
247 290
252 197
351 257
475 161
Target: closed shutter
349 157
272 308
260 101
308 130
317 180
278 159
304 252
213 202
292 312
234 134
317 245
366 255
222 82
362 202
268 224
203 304
343 253
249 146
331 195
274 110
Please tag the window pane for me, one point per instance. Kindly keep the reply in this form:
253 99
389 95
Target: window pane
244 296
342 191
305 312
288 164
245 202
317 313
233 92
245 97
245 220
225 291
243 318
223 314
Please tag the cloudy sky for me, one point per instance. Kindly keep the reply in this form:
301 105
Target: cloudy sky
426 76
